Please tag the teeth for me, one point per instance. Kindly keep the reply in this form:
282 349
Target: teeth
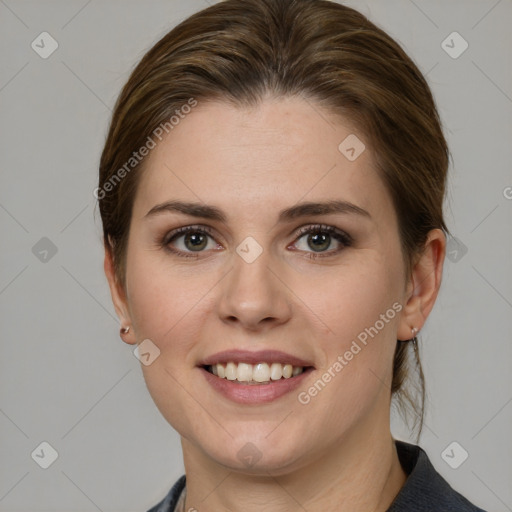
296 371
287 371
276 371
230 371
261 372
244 372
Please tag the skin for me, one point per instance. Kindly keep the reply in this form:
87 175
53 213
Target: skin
336 452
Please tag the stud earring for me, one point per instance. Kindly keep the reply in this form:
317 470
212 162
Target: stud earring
124 330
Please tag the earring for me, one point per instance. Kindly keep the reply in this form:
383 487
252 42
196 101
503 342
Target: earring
124 330
414 331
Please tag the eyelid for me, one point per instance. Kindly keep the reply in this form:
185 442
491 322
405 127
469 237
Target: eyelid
326 228
183 230
165 241
341 236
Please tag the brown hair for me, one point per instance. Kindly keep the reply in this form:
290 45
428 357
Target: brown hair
241 50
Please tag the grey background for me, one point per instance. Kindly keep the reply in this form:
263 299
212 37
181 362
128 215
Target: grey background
66 377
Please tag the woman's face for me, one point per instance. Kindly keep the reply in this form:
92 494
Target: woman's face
260 288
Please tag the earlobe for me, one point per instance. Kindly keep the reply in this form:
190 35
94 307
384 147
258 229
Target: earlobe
118 295
424 284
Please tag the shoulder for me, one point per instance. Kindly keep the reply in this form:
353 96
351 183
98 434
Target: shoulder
425 490
169 502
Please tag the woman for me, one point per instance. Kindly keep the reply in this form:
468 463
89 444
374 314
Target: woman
271 193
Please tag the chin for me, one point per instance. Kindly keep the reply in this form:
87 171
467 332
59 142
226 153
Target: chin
256 455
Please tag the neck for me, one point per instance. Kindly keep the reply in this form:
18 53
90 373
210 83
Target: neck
362 473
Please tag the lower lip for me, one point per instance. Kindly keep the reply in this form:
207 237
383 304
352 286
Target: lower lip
254 393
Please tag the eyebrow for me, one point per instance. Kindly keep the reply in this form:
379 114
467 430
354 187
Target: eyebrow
306 209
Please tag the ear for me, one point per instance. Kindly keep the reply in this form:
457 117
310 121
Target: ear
118 297
423 285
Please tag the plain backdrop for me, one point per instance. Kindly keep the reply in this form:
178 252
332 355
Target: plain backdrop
67 379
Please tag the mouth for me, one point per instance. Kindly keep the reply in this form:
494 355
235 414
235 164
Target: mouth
253 378
255 374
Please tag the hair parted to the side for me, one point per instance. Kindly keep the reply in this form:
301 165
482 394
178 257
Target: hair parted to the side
241 51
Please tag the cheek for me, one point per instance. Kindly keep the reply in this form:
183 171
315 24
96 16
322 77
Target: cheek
164 300
360 306
168 307
352 298
361 312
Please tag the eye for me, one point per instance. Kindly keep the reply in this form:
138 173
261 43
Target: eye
189 241
320 238
192 239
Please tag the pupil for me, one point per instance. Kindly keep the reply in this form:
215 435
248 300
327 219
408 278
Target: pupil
197 240
322 239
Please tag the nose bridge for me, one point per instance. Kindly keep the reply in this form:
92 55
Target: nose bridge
252 293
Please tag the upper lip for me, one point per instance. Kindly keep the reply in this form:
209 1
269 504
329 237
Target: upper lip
250 357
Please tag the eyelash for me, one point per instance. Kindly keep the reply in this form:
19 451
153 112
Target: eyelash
342 237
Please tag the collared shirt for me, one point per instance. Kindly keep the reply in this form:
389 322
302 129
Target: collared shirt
425 490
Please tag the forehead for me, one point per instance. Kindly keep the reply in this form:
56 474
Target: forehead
261 158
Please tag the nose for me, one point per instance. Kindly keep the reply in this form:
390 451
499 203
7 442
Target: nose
254 296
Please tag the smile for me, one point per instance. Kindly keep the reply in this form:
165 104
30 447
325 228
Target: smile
254 377
260 373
